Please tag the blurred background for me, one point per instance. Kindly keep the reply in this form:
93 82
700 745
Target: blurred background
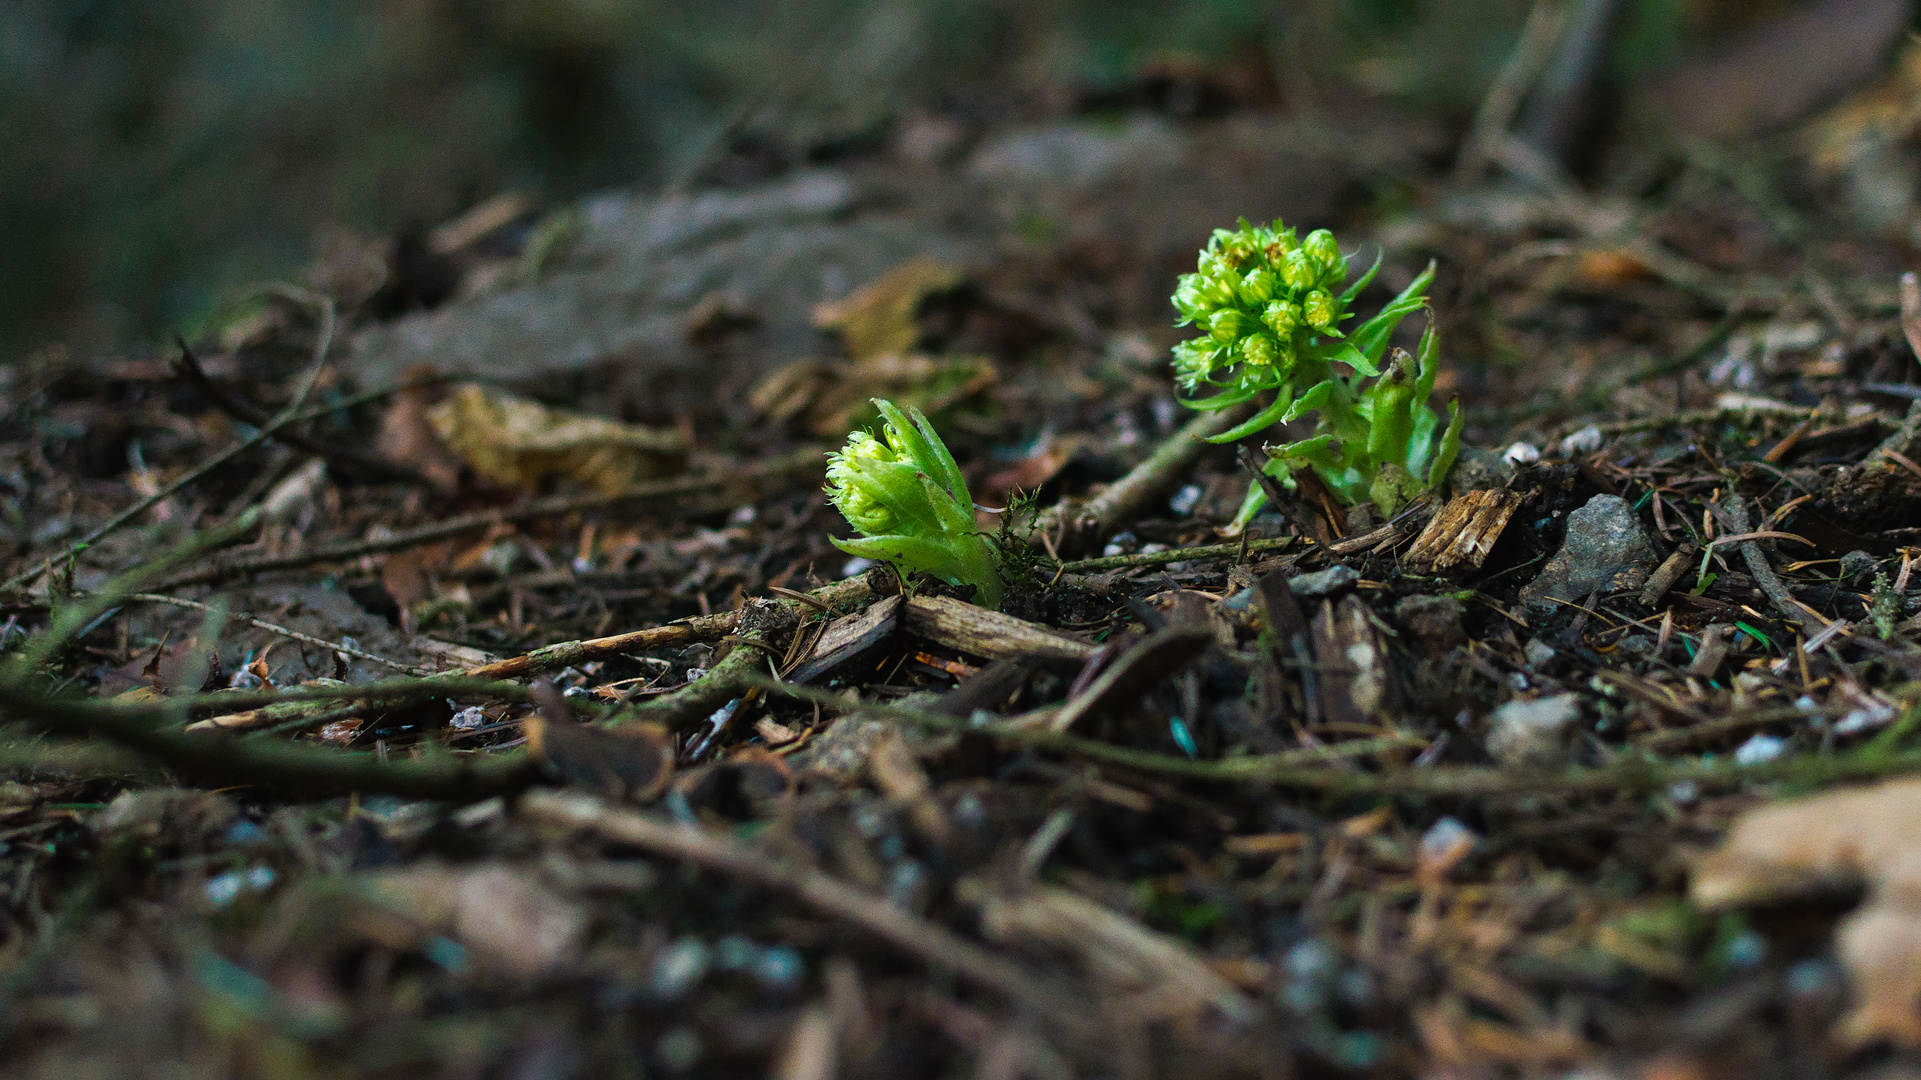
155 157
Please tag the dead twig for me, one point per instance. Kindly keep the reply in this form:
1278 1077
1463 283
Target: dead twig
1764 575
799 461
931 942
1079 523
187 366
287 632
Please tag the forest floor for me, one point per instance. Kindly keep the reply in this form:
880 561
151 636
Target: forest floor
354 730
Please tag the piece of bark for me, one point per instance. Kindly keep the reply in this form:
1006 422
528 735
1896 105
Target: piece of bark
1667 574
1356 687
1713 651
977 631
1463 533
848 637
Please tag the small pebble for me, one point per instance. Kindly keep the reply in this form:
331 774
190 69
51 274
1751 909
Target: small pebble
679 968
1521 454
855 567
1760 748
1585 441
1184 500
679 1050
1326 582
468 719
780 967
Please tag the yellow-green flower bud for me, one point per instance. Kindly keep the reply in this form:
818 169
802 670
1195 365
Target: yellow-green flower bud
1259 286
1189 297
853 491
1225 326
1325 253
1298 271
1260 349
1194 361
1319 309
1282 317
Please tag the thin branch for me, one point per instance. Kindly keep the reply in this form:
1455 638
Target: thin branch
931 942
217 759
336 646
187 366
799 461
1078 523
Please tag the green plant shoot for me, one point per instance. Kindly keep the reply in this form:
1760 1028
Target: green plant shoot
1271 315
1271 308
1377 441
906 497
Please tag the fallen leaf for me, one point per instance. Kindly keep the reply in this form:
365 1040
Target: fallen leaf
877 319
635 762
1843 839
832 399
519 443
407 437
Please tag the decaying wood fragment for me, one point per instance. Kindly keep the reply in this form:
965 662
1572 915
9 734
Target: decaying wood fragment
848 637
1114 948
1667 574
979 632
1714 650
1356 682
1464 532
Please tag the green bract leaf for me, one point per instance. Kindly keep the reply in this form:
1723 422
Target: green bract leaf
907 497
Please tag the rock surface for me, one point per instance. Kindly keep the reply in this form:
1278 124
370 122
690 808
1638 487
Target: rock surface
611 323
1605 549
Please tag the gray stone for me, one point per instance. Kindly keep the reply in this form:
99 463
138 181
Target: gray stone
1532 732
1477 469
1334 579
1605 549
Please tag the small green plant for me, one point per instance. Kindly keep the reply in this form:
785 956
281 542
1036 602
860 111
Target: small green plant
906 497
1271 307
1378 442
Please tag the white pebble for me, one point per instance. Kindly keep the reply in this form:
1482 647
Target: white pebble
1521 454
1760 748
1585 441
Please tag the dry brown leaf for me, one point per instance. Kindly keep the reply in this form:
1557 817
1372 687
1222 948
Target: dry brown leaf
832 399
1048 457
519 443
635 762
408 438
509 920
877 319
1868 836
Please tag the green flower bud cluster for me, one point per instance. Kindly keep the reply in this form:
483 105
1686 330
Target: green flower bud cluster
907 498
1260 296
1270 308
